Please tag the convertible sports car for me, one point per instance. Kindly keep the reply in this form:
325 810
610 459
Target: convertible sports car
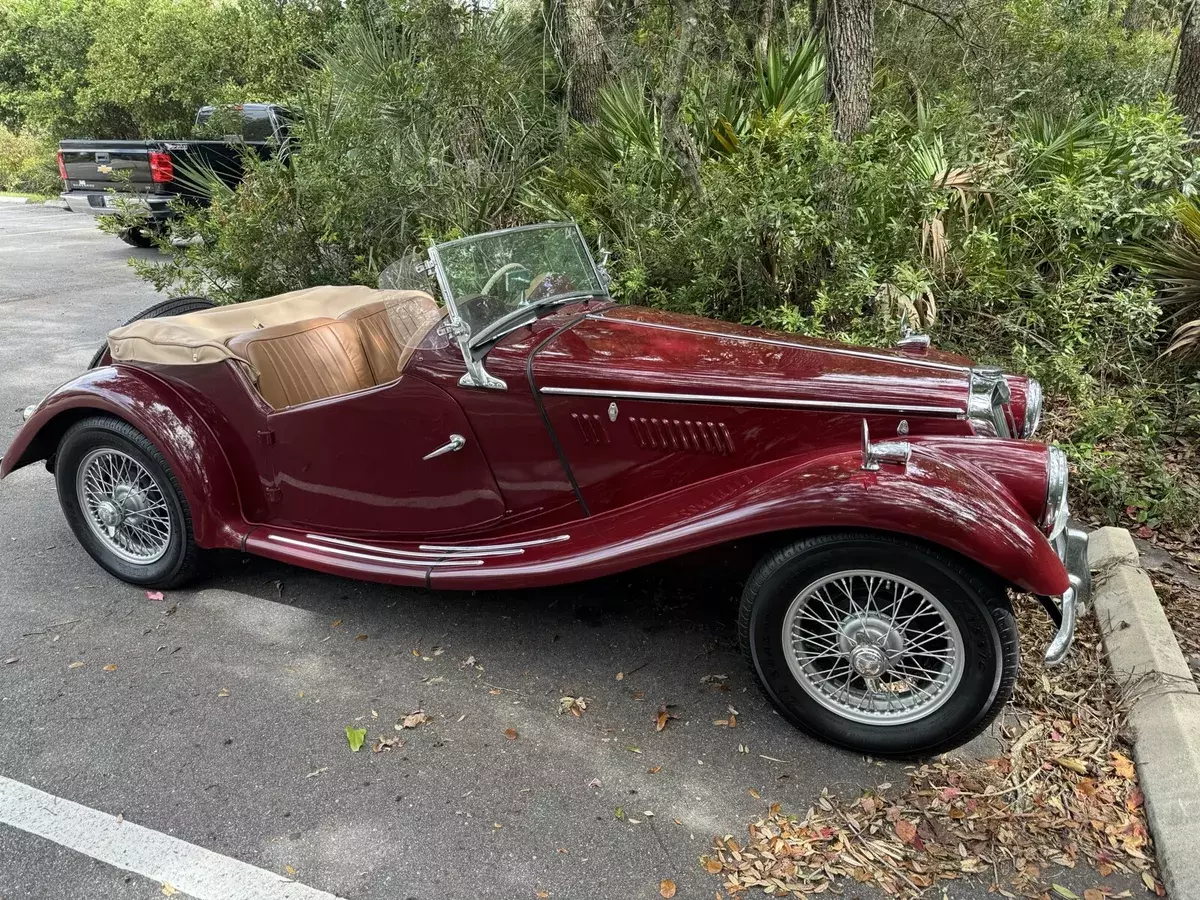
534 432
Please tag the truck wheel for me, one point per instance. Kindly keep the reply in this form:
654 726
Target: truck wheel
138 237
878 643
175 306
123 503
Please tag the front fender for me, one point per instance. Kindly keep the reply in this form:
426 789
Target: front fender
938 497
155 409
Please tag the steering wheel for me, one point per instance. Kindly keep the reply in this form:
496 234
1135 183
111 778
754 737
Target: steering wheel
500 273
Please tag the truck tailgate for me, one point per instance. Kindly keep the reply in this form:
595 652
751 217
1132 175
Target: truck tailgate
99 165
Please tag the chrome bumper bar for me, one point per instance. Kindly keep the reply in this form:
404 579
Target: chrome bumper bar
1071 546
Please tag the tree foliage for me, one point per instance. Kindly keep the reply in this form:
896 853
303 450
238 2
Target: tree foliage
1009 155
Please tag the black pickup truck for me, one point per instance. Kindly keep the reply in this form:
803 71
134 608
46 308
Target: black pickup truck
104 176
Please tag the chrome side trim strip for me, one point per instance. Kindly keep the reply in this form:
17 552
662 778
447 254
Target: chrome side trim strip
370 557
413 554
484 548
954 411
839 351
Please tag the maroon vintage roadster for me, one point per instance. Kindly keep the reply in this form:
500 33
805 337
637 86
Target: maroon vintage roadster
534 432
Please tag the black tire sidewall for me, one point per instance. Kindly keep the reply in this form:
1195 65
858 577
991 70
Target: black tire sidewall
95 434
173 306
770 595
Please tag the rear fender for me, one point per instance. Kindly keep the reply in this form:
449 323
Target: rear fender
938 498
166 419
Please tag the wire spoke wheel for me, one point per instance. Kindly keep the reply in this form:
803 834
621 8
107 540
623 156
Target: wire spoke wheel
873 647
124 506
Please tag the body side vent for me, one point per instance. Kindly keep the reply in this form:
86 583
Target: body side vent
682 435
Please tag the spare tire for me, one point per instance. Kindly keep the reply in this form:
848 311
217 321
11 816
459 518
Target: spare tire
175 306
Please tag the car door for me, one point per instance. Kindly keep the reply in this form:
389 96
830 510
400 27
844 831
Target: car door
400 459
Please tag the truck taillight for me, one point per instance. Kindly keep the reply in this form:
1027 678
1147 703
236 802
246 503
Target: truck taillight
62 167
161 167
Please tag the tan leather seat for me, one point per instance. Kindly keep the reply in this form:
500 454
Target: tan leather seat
390 331
305 361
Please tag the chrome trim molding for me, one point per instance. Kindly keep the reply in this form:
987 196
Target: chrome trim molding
1033 409
484 548
1055 515
955 411
795 345
989 397
410 554
418 565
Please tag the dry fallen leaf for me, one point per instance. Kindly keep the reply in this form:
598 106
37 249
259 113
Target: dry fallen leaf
620 676
654 770
223 692
1075 765
510 733
111 667
1123 765
289 870
413 719
385 743
360 637
662 717
78 664
336 623
169 889
713 865
574 705
666 889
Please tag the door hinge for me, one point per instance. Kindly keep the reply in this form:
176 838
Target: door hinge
266 437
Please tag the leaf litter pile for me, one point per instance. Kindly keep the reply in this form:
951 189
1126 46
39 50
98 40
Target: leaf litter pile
1062 793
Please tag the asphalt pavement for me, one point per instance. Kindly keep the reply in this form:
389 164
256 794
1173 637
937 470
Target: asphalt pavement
216 716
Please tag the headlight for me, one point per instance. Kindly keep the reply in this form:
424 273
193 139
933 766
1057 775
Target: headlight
1054 519
1033 408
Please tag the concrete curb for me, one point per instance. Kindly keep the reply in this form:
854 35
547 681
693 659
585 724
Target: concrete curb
1163 704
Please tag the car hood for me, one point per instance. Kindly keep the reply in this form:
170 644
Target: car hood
635 349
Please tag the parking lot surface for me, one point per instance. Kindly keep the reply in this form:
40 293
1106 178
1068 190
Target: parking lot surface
216 716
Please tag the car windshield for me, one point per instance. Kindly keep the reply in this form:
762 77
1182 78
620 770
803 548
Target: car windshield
494 281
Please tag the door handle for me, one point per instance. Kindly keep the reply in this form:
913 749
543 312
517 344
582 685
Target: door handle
456 442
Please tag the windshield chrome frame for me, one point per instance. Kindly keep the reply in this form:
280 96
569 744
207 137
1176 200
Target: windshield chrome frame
476 375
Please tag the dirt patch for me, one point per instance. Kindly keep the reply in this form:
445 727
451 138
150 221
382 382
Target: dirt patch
1063 791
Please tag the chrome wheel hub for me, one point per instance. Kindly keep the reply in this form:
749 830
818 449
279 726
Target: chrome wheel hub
123 505
868 661
873 647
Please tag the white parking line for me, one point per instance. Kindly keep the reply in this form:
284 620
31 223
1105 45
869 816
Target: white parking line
190 869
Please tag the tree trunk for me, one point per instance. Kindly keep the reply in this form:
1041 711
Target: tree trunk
587 62
850 64
687 155
766 20
1131 19
1187 81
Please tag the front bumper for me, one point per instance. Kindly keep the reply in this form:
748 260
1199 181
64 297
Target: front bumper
100 203
1071 546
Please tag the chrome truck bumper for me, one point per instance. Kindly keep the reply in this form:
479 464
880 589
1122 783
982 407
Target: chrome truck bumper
1071 546
102 203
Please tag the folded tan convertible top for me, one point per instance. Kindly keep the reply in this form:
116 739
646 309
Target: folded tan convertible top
201 337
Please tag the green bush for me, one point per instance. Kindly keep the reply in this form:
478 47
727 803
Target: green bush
27 165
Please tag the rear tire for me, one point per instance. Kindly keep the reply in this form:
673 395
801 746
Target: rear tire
878 643
175 306
138 237
124 503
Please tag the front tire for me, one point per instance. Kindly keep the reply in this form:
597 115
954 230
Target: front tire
880 644
124 504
